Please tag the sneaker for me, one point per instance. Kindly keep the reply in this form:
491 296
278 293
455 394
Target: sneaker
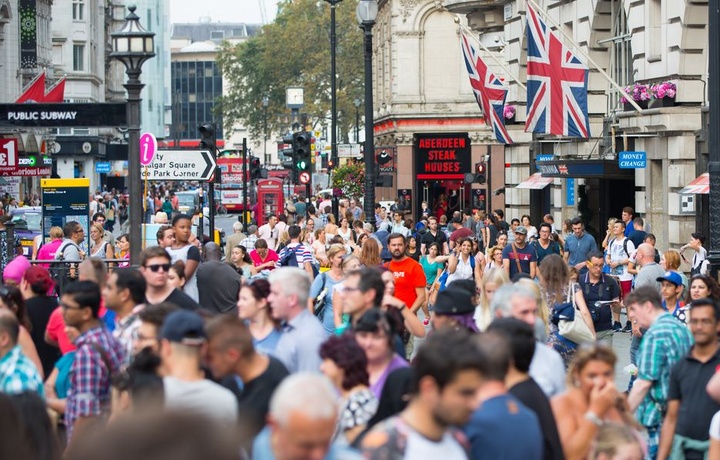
628 327
617 327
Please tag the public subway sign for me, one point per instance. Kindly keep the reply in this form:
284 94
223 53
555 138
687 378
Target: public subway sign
632 160
60 115
442 156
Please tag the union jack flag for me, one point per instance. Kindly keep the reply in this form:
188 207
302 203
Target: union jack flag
489 91
556 84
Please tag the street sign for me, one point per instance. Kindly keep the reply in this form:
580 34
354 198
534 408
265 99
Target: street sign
304 177
180 165
102 167
65 114
348 150
148 147
632 160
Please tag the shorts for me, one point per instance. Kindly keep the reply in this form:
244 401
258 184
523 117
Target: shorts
625 287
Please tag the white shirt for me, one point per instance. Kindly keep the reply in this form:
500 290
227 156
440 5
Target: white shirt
616 251
421 448
269 235
548 370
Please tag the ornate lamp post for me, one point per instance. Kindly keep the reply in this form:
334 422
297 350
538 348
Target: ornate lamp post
367 11
713 134
133 45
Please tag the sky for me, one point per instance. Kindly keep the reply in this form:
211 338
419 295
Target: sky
245 11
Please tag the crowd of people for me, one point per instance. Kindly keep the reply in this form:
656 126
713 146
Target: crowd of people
312 337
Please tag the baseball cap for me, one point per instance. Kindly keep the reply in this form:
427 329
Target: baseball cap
520 229
184 327
457 220
454 301
671 276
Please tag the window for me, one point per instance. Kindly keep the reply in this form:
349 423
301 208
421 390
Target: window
78 10
78 58
217 34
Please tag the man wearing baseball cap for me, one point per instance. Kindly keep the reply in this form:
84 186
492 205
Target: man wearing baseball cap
454 307
519 256
671 288
186 388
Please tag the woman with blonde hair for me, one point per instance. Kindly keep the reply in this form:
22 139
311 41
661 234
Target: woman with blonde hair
557 286
590 400
99 248
608 232
370 253
318 247
283 240
350 263
324 283
494 258
491 282
617 442
331 226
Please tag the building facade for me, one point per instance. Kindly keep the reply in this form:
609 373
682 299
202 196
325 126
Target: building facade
421 88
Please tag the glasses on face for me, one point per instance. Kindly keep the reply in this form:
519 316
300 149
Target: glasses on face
65 306
156 267
80 230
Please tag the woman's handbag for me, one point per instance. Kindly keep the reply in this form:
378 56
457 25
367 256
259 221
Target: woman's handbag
575 329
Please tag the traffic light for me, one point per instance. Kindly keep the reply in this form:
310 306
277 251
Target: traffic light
481 173
288 155
301 153
207 138
255 168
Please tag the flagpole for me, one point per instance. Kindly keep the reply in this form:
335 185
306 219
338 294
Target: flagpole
492 55
577 47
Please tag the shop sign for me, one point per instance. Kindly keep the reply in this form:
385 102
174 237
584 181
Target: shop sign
632 160
442 156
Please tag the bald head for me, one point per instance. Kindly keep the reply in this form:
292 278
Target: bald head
646 250
212 251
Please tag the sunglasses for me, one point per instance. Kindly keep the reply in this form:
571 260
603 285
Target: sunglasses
155 268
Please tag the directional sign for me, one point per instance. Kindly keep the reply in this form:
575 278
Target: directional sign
148 147
180 165
304 177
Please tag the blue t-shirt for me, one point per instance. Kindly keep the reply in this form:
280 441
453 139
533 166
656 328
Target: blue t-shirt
495 429
328 318
578 249
268 343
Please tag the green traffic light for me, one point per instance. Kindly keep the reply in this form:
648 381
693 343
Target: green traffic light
301 165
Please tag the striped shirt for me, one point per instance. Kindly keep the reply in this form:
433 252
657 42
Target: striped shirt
663 345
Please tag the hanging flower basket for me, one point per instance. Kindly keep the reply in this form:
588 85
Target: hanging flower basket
349 180
509 114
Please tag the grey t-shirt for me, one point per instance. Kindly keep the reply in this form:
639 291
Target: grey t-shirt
201 396
648 275
68 251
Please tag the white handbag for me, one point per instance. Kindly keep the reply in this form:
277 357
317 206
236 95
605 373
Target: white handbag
577 330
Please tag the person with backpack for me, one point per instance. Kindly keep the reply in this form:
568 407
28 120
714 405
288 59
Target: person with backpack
602 296
69 250
321 289
462 265
620 247
296 254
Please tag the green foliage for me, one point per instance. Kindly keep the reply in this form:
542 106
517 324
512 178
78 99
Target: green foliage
349 179
294 51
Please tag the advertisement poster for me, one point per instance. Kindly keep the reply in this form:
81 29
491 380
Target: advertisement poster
65 200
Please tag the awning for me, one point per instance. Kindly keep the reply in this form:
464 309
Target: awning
535 182
700 186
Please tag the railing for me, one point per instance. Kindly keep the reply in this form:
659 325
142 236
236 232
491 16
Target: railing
64 272
7 245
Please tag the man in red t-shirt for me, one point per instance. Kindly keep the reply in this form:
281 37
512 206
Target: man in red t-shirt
459 231
410 279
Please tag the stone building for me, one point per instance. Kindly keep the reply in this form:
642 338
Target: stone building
421 88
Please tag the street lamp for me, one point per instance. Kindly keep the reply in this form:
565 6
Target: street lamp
714 135
265 102
367 11
333 84
357 103
133 45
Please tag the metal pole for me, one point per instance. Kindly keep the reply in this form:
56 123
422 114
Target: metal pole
135 213
265 138
357 124
369 154
245 186
333 83
211 191
714 134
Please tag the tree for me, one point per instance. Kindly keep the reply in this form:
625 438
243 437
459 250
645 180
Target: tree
293 51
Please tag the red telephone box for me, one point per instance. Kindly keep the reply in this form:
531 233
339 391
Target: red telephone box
270 198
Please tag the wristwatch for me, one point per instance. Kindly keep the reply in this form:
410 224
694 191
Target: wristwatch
593 417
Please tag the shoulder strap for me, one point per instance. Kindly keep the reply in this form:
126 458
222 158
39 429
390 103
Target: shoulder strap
517 261
625 243
103 356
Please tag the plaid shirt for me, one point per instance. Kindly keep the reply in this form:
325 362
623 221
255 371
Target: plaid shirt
249 242
89 392
18 374
663 345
